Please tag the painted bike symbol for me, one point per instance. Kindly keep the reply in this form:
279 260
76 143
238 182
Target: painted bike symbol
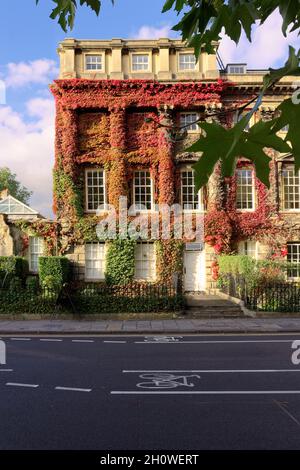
162 339
166 381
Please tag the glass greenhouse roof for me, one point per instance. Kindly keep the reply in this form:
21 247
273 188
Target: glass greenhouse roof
12 206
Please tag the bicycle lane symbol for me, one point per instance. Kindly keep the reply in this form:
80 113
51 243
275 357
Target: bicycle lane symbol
162 339
166 380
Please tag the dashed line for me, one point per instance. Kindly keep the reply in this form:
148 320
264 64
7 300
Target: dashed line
83 341
71 389
50 340
20 339
12 384
114 341
6 370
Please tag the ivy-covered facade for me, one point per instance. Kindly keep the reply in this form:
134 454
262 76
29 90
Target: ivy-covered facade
117 105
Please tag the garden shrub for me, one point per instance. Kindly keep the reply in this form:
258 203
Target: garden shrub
15 284
12 266
104 302
54 271
255 272
32 284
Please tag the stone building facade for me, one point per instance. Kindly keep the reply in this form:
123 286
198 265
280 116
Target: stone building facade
126 110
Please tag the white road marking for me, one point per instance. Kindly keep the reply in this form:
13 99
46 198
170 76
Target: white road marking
219 341
20 339
83 341
50 339
12 384
207 392
216 371
114 341
6 370
74 389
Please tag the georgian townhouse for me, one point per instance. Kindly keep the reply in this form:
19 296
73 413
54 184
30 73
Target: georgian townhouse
126 110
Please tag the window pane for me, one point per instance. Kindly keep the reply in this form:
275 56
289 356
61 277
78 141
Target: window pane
145 261
93 62
245 189
293 256
36 249
95 189
190 199
94 261
290 188
187 62
142 191
188 120
140 62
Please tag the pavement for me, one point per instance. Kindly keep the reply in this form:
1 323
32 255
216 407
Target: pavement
181 392
193 326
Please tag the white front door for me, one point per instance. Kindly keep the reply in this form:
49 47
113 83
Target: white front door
194 271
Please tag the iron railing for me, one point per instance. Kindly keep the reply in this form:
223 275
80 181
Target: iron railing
92 298
269 297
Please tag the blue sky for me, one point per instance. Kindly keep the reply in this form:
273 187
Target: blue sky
28 63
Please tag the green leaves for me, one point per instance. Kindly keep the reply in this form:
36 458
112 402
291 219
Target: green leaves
291 67
65 11
226 145
290 115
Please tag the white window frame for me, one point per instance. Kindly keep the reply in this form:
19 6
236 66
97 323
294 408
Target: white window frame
200 192
150 269
243 248
283 201
188 129
240 67
146 54
38 251
90 54
89 259
135 204
297 244
86 188
180 54
253 191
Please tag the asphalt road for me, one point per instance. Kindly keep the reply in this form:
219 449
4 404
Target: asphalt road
145 393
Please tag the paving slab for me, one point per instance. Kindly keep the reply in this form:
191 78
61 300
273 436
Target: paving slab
257 325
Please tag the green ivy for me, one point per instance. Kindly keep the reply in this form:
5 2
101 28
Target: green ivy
85 230
120 262
63 182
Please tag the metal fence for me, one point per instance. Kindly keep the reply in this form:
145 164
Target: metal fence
272 297
24 300
135 297
92 298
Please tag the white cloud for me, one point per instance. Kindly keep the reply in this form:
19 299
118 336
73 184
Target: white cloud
269 48
28 148
21 74
151 32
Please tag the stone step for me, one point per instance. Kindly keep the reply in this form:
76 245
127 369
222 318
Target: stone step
213 307
208 314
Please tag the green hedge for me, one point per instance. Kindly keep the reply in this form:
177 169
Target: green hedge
24 300
11 266
54 271
120 262
255 272
108 304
